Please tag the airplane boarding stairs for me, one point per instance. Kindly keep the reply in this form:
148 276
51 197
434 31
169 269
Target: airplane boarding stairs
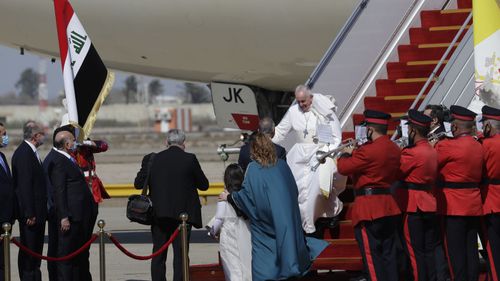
395 94
417 60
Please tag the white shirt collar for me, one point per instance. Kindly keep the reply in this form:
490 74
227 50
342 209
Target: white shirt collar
31 145
63 153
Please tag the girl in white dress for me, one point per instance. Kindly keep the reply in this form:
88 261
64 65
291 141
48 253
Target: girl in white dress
233 231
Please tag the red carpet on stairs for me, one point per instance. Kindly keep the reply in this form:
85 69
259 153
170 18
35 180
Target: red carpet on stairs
391 87
422 35
398 70
464 4
444 18
417 60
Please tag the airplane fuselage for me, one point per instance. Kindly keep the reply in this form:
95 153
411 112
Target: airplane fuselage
270 44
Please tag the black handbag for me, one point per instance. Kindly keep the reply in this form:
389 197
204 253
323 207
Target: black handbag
140 207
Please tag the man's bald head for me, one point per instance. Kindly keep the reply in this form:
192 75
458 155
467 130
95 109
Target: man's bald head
63 140
266 126
68 128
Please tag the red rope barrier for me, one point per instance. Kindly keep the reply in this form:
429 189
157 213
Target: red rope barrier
65 258
137 257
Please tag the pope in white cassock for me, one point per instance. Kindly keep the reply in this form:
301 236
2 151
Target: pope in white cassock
311 125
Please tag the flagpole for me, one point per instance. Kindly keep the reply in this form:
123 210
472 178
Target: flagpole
61 7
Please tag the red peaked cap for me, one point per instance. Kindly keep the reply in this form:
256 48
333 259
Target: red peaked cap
462 113
490 113
376 117
416 117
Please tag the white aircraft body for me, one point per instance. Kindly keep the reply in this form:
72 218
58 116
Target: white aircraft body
271 44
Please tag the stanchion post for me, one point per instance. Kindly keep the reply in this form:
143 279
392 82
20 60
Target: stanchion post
6 250
102 255
184 241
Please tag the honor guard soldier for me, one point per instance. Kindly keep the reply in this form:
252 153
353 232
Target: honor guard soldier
373 168
491 188
415 196
84 156
460 162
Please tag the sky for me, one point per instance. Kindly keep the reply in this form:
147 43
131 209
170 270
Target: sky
12 64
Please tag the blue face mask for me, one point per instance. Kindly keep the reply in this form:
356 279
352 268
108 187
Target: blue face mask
5 140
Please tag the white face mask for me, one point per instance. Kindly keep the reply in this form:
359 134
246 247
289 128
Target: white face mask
479 124
5 140
447 128
360 133
404 129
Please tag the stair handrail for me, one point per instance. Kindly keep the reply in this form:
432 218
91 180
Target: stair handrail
360 92
434 72
446 4
327 57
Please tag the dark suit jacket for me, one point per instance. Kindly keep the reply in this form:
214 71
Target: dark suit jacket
140 178
244 158
174 179
29 183
73 198
50 189
7 197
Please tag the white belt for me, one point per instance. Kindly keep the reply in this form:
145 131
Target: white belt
89 173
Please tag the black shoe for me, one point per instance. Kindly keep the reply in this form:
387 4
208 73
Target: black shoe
333 223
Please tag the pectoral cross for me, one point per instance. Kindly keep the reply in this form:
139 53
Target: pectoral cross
307 121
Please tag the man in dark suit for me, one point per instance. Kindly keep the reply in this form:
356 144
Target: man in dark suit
174 178
266 126
53 224
7 198
74 206
31 192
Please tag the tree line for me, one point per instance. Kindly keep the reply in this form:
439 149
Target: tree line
129 92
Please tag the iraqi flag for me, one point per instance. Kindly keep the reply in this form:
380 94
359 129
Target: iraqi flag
87 82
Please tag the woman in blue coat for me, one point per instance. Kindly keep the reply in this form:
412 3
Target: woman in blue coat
269 199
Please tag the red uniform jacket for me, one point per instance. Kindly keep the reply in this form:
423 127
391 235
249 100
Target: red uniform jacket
491 192
418 166
374 164
85 159
460 160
